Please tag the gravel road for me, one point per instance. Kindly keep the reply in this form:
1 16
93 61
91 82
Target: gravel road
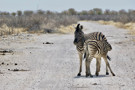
51 62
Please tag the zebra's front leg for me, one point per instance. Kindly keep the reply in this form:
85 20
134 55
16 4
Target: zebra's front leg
86 66
80 69
88 62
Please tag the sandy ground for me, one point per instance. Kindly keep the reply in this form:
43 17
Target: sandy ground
55 66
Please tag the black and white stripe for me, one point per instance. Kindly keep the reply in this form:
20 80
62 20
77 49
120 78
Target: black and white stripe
80 39
97 49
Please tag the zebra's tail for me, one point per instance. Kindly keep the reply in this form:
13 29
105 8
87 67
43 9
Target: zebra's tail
84 55
108 58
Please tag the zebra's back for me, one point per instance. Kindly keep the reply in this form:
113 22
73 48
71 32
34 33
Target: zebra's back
91 36
95 36
97 48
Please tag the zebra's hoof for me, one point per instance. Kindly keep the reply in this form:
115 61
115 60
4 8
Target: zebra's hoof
87 75
91 75
96 73
113 74
107 73
78 74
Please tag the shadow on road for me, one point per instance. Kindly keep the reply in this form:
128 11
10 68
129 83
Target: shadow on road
94 76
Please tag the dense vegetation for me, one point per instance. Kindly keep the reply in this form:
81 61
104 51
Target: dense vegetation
107 15
35 21
49 21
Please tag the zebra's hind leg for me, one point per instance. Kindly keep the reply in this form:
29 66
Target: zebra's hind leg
107 73
98 65
80 69
107 63
86 66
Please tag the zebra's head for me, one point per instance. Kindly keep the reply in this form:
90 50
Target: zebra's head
79 35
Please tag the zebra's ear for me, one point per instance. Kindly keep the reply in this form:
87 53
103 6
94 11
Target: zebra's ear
81 27
78 26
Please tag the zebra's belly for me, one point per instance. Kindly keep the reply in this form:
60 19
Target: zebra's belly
97 55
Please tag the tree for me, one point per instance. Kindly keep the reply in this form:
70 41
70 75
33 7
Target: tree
97 11
83 12
107 12
49 12
72 11
130 11
13 14
19 13
64 12
122 11
91 12
113 12
28 13
5 13
40 12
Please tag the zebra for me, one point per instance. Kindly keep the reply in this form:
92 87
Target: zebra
80 39
97 49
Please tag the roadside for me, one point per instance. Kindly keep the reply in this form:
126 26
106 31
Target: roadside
50 62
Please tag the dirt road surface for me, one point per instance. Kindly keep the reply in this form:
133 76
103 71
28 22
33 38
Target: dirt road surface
34 64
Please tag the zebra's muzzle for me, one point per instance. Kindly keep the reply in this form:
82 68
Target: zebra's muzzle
75 41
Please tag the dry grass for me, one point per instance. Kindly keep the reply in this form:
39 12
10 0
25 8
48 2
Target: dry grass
35 23
129 26
5 30
118 24
67 29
